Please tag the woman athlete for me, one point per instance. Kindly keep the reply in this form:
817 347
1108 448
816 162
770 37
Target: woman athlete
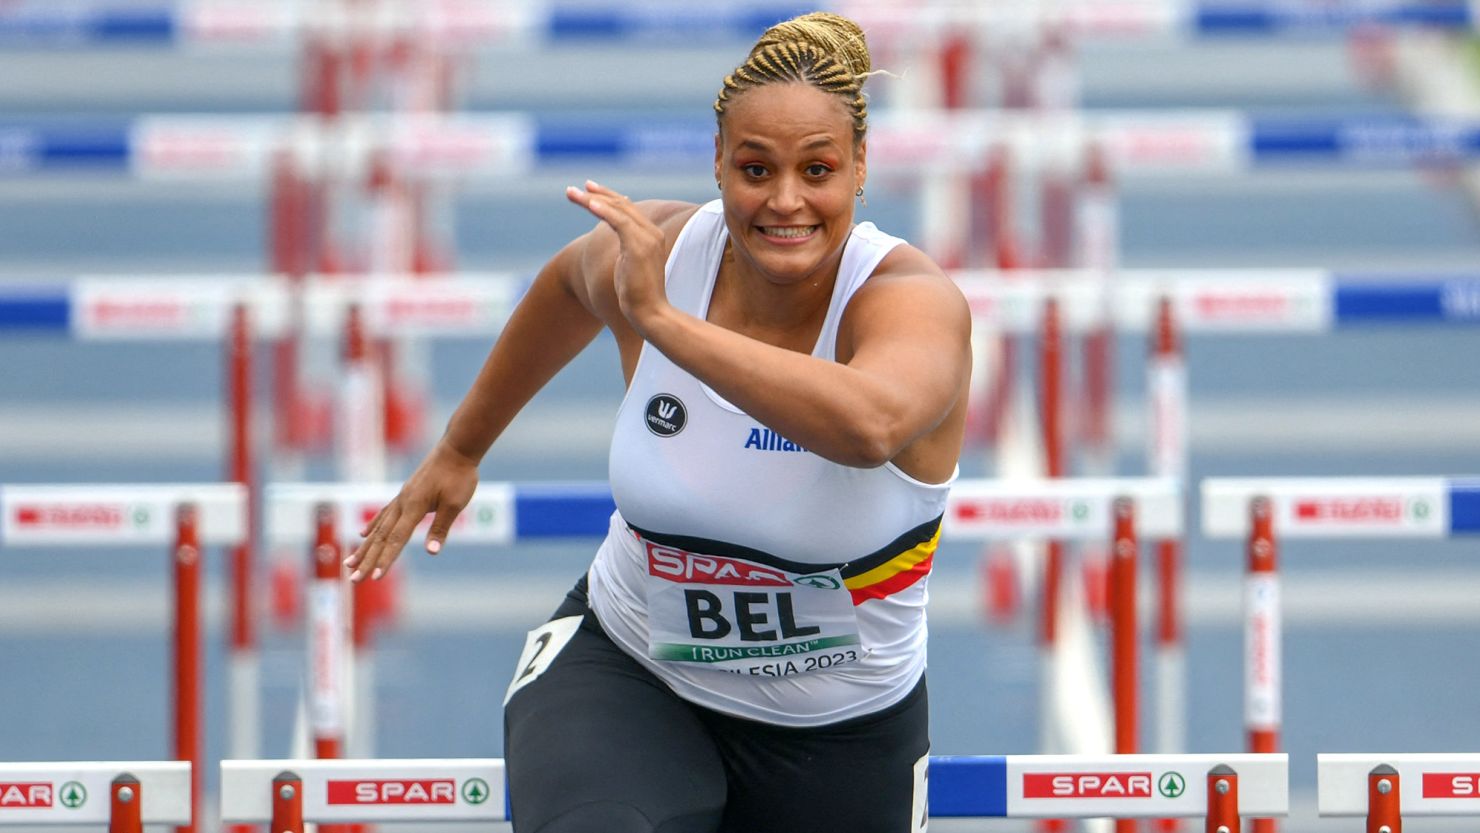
747 650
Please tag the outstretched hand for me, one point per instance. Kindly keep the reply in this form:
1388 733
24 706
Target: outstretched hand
441 486
639 273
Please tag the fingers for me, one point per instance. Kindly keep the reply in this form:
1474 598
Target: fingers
385 537
441 525
373 533
605 203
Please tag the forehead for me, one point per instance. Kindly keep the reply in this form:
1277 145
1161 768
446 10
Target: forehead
778 113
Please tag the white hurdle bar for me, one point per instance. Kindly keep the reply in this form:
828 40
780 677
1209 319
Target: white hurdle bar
118 514
290 793
1385 788
120 794
1344 507
501 513
1065 509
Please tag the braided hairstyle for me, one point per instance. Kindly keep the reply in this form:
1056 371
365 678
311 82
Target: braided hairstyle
822 49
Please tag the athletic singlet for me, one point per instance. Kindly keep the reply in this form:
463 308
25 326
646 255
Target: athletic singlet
750 575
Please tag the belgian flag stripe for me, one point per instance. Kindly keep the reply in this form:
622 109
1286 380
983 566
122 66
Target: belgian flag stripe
896 574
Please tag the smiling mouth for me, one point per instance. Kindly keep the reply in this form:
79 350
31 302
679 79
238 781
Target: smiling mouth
789 232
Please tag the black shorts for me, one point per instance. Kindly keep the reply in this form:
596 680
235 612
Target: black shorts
594 742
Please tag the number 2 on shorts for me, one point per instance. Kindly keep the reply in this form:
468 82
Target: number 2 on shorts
541 647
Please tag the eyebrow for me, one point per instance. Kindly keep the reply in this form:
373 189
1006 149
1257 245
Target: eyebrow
758 144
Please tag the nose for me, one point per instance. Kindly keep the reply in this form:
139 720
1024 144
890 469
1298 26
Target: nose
786 195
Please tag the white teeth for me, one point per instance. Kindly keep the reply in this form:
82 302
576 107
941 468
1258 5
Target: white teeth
788 231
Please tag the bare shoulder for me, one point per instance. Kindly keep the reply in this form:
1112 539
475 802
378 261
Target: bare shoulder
908 280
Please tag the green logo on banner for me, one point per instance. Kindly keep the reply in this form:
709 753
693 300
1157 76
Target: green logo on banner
72 795
1080 510
485 515
1171 785
475 791
141 516
1420 509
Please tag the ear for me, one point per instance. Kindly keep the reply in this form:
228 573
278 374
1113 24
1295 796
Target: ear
860 163
718 153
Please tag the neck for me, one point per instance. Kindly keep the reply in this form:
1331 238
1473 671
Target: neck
781 314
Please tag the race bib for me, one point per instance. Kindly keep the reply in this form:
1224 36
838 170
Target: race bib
731 614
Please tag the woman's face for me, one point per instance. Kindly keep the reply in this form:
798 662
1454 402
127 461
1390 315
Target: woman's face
788 173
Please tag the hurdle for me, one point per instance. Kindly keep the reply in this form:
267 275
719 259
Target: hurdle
124 795
1114 510
237 311
1265 511
291 793
1371 785
186 516
328 515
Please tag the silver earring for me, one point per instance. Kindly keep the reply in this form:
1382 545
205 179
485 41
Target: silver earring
861 198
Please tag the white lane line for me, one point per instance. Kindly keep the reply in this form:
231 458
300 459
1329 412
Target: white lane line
68 607
195 433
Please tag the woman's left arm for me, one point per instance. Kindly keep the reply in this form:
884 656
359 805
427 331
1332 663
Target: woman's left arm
903 351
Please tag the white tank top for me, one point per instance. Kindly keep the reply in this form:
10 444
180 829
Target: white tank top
735 550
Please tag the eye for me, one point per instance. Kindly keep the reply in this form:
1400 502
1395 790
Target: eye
754 170
818 170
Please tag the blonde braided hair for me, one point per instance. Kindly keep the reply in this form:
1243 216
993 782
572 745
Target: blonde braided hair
825 50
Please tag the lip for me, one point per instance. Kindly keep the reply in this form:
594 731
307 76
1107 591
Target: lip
788 241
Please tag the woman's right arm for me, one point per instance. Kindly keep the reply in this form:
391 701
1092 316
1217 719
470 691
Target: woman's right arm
552 323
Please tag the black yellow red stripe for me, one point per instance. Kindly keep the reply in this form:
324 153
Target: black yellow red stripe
896 574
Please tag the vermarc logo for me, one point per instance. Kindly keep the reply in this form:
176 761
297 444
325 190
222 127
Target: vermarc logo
665 415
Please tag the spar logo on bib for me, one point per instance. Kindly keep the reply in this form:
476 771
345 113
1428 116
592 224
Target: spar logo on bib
687 567
665 415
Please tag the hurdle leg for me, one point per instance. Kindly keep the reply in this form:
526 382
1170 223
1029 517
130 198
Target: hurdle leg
326 639
1383 805
244 704
287 804
1166 387
187 646
1123 633
1050 371
1262 640
125 814
1222 800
